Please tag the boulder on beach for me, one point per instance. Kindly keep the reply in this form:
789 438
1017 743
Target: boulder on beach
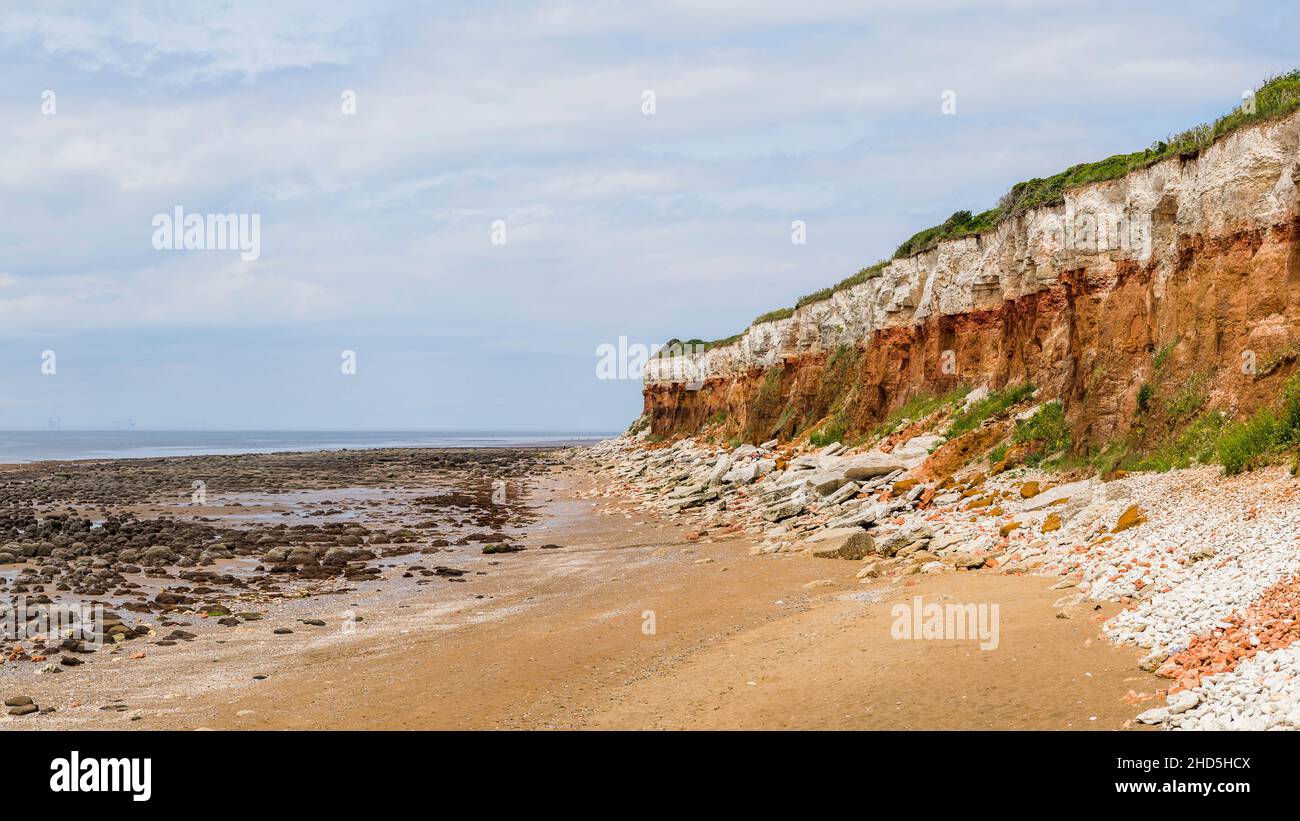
915 450
1083 489
841 543
871 465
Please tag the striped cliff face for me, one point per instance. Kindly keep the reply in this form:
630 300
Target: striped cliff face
1196 259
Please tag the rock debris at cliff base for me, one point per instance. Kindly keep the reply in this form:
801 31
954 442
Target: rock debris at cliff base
1206 565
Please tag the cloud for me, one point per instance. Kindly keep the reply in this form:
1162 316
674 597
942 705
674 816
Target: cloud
196 41
658 226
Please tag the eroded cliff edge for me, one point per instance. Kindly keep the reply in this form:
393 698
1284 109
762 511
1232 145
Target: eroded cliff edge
1190 266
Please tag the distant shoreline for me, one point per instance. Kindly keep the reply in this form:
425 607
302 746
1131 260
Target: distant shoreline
27 447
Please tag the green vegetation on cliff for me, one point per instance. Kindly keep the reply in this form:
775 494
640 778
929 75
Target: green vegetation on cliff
992 405
1247 443
1185 435
773 316
1276 98
1044 434
919 407
848 282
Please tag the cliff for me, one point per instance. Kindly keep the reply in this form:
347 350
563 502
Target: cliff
1179 281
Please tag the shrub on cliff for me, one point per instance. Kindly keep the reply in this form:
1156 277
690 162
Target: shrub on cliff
1245 443
827 434
1161 357
1290 418
1198 442
992 405
642 422
1045 433
1144 396
1238 446
919 407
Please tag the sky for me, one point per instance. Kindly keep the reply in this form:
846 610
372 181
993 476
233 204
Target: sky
459 203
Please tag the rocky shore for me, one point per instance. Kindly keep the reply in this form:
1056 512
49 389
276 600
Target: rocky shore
1204 566
190 550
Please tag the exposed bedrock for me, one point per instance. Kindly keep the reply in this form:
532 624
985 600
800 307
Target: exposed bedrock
1196 259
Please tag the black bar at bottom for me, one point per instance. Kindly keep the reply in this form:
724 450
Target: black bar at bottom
228 771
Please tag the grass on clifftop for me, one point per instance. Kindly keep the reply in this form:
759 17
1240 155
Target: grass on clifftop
864 275
860 277
676 347
1276 98
960 224
869 273
773 316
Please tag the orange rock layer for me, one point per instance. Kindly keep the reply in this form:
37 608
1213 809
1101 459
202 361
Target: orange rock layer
1090 340
1272 623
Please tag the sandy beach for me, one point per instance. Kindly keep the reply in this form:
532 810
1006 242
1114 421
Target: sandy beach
610 617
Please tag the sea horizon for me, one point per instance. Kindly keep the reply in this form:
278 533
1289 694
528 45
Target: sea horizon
37 445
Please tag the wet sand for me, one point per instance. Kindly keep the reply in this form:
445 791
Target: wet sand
561 638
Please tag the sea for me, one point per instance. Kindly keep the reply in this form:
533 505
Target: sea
42 445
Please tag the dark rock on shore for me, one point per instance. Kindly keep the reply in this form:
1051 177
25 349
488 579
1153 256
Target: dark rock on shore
68 536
